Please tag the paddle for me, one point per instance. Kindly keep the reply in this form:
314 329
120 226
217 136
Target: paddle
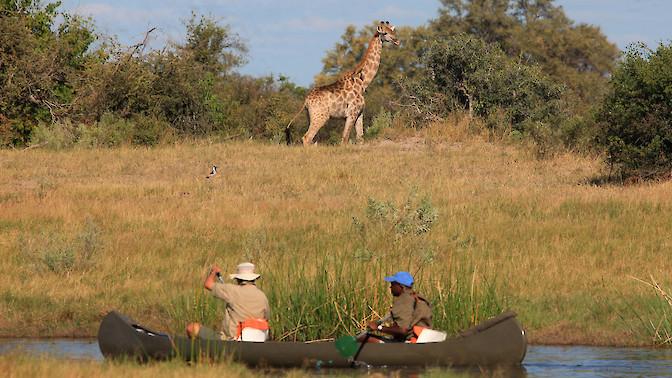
347 345
219 275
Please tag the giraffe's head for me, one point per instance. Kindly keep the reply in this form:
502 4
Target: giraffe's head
386 33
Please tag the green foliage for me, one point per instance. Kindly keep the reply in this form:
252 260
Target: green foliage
51 253
635 118
653 321
41 66
60 135
149 130
465 72
213 46
536 33
110 131
388 228
380 122
61 92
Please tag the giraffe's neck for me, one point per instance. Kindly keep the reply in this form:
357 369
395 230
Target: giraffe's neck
369 65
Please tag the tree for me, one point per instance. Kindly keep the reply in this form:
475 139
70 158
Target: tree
213 46
42 66
537 32
635 117
466 72
180 87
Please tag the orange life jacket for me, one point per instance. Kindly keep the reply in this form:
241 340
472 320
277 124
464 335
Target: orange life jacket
256 323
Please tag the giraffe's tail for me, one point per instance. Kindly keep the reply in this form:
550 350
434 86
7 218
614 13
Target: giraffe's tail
297 114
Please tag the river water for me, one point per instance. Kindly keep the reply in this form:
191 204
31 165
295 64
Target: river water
540 361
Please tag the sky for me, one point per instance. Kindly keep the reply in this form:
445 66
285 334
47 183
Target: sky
291 37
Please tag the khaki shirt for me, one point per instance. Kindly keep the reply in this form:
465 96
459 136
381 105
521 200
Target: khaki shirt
407 312
244 301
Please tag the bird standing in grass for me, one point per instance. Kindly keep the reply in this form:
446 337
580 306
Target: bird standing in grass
214 172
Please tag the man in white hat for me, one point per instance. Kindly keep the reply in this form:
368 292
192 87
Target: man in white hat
245 304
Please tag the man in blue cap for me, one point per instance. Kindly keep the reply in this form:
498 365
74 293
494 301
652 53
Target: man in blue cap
410 309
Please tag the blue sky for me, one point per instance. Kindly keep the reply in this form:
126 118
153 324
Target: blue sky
290 37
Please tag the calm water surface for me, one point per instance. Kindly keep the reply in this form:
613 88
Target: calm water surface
66 349
540 361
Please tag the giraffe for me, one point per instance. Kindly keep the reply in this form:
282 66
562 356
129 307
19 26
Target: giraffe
345 97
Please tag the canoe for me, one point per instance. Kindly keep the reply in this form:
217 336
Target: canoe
498 341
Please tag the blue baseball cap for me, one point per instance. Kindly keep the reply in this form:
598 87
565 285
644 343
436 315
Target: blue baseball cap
403 278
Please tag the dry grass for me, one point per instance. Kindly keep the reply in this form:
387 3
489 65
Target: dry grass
24 366
558 246
19 365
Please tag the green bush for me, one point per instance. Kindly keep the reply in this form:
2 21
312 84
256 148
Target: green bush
55 253
60 135
149 130
109 131
380 122
388 228
465 72
635 117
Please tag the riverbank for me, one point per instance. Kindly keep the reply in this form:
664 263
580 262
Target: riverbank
86 231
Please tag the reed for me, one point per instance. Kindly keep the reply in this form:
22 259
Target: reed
653 322
512 232
21 365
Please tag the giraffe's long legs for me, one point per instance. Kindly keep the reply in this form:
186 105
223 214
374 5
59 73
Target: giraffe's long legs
348 127
359 128
316 123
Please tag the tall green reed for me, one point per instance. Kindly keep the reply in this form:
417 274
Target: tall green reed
315 298
652 316
326 290
194 306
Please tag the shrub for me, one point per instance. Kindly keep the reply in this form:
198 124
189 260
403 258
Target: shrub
58 136
109 131
380 122
635 117
401 229
465 72
54 253
149 130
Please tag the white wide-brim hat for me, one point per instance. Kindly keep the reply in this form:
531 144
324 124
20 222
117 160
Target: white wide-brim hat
245 272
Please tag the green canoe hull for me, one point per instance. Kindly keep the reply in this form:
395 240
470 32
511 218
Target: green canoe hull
496 342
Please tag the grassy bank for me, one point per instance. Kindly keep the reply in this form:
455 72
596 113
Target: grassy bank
23 366
84 232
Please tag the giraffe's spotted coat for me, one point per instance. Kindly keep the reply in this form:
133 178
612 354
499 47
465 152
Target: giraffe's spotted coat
345 97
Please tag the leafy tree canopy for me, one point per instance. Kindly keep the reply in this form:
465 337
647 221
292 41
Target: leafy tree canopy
213 45
635 118
466 72
537 32
41 65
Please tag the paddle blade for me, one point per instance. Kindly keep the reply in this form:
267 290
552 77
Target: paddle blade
346 346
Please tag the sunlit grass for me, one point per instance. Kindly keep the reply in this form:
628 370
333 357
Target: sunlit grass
519 233
21 365
653 316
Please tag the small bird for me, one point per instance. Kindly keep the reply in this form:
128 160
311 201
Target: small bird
214 172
